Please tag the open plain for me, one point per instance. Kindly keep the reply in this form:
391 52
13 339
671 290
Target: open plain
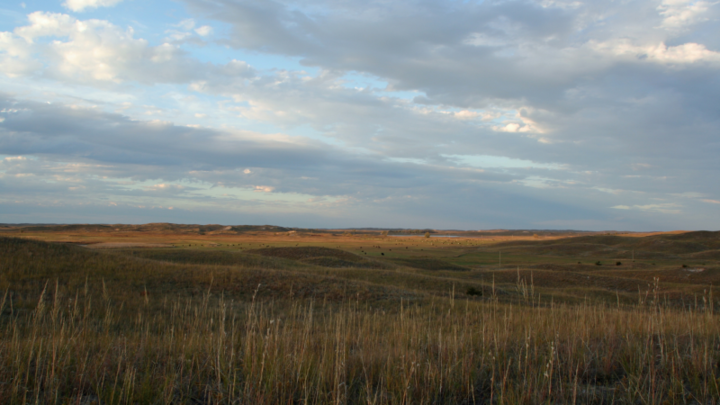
163 313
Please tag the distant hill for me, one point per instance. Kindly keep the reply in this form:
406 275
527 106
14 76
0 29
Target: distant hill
700 244
161 227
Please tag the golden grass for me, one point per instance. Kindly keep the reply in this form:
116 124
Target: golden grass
80 326
211 350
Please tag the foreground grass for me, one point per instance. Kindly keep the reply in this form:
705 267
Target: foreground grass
83 327
210 350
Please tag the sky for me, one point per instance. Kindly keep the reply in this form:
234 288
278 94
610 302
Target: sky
547 114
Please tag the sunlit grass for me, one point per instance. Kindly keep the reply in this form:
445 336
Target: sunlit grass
211 350
79 326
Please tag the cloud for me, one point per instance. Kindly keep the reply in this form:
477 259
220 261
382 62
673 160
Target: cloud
687 53
568 84
263 189
81 5
61 47
665 208
522 49
204 31
371 103
681 13
165 188
108 157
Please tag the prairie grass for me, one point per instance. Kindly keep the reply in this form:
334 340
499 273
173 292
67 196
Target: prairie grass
211 350
85 327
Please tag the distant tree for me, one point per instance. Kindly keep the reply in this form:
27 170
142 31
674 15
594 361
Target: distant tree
427 235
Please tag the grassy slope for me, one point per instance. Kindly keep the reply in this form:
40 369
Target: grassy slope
126 275
203 324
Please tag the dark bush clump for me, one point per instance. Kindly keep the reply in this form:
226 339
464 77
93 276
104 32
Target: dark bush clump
473 291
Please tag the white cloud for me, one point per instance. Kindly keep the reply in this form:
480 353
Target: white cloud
204 31
186 24
681 13
500 162
81 5
16 57
665 208
165 187
471 115
525 125
62 47
263 189
93 50
684 54
511 127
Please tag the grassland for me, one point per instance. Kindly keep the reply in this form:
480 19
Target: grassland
190 314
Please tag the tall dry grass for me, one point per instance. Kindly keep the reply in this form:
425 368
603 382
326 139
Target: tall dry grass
85 348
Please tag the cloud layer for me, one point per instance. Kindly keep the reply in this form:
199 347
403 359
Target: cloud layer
532 114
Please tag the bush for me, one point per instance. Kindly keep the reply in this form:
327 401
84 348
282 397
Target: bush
473 291
598 263
618 263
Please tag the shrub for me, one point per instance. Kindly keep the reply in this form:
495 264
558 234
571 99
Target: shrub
618 263
598 263
473 291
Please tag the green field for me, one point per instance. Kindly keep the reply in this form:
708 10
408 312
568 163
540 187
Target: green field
103 315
